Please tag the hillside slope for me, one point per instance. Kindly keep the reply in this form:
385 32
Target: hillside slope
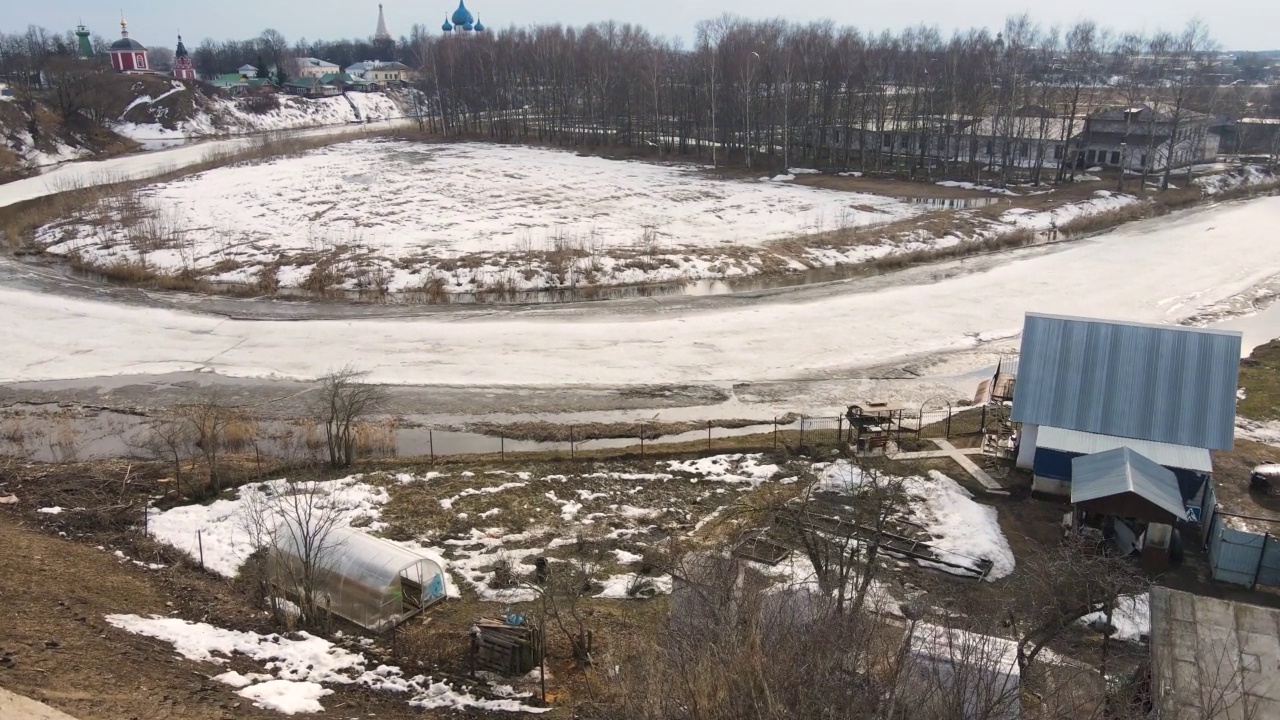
176 110
148 111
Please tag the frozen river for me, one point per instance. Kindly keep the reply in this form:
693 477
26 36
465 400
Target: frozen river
902 335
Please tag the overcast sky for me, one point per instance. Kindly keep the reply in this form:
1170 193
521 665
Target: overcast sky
1237 24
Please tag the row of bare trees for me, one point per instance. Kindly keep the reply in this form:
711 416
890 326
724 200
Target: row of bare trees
196 436
774 93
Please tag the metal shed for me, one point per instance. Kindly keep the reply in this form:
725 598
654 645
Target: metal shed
1163 383
1124 483
368 580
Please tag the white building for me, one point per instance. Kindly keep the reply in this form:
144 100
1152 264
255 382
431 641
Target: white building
379 72
315 67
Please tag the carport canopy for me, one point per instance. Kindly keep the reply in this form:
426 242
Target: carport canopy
1124 483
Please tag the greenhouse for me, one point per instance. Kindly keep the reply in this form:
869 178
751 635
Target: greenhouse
370 581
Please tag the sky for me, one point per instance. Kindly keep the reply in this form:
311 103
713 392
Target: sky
1236 24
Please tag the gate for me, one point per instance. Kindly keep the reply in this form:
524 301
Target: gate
1242 557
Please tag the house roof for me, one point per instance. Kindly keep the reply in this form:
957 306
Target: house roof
1163 383
1121 471
376 65
315 62
1183 457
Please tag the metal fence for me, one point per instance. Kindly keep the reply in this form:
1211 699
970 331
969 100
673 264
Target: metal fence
1242 556
807 432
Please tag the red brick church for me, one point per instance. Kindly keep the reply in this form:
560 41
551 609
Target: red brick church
127 54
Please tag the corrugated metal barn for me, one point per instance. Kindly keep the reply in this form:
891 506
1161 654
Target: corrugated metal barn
1086 386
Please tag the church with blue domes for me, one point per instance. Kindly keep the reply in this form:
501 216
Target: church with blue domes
462 21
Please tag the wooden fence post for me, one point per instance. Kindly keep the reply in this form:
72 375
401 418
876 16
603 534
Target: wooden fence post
571 453
431 443
708 434
801 431
641 439
502 446
775 432
839 430
200 543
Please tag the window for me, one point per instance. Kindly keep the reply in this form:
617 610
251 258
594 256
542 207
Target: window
1024 149
1115 157
888 142
1057 152
1091 156
991 150
904 141
139 60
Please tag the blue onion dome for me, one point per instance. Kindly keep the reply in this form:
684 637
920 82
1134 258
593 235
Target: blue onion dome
479 26
462 16
446 26
468 27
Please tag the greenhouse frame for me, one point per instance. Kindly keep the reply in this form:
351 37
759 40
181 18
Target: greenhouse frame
367 580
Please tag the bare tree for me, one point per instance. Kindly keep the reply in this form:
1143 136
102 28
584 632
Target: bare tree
204 425
845 549
295 525
168 438
343 400
1060 585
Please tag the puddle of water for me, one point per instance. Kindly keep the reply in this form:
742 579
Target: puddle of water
952 203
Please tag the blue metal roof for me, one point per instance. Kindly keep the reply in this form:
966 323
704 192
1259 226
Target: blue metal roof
1162 383
1124 470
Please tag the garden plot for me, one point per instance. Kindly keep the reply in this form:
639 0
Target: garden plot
297 669
458 218
491 528
486 530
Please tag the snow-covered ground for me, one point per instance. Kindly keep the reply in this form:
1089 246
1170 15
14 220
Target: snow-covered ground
297 670
608 505
525 218
24 146
227 116
1130 620
1249 176
1103 201
1162 270
960 528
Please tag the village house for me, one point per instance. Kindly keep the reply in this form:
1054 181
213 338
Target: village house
311 87
237 85
1143 138
309 67
385 73
345 81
